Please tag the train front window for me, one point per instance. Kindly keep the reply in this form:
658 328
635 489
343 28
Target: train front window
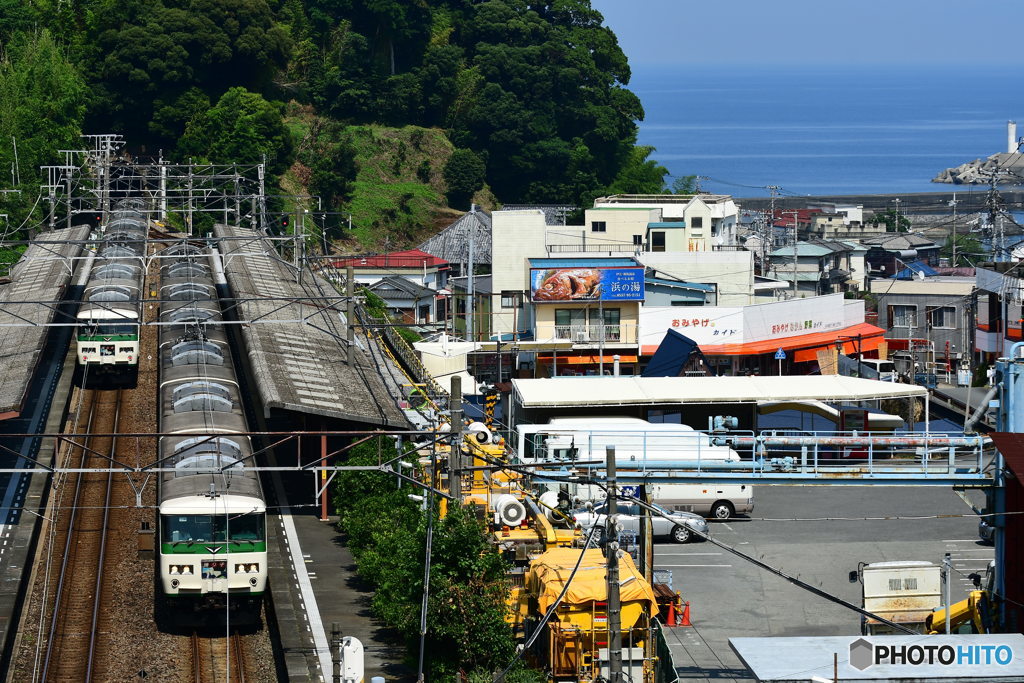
110 329
213 528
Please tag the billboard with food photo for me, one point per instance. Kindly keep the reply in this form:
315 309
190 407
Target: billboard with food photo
587 284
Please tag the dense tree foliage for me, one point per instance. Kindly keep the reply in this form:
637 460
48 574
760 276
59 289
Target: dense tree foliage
969 249
893 221
387 532
533 92
42 103
242 127
464 173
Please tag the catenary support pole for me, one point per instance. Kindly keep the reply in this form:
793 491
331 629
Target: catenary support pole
350 313
455 457
612 570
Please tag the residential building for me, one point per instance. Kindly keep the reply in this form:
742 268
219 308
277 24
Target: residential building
731 272
482 306
660 291
516 236
407 301
413 265
710 219
889 252
822 267
927 320
453 243
1000 309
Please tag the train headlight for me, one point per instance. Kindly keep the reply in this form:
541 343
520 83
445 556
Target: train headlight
182 569
247 568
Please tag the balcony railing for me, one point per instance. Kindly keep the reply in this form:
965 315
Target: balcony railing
596 334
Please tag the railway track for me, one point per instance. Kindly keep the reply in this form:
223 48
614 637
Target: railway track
77 623
218 659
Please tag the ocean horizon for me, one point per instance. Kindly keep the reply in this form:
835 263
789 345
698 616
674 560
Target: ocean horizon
824 130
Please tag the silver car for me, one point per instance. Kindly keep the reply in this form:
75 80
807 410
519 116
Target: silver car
680 526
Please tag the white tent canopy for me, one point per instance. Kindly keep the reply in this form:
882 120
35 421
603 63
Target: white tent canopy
624 391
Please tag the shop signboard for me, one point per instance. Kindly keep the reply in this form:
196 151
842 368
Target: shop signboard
581 285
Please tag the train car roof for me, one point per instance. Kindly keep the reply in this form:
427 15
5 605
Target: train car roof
190 496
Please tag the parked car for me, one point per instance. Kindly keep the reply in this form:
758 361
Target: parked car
679 526
985 531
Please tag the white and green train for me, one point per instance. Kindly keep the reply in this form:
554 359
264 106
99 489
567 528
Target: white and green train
212 532
107 334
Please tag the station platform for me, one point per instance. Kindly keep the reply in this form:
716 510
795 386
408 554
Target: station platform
315 587
44 412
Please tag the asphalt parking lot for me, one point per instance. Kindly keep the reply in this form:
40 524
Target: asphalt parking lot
732 597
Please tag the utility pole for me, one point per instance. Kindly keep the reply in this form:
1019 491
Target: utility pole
350 313
612 572
953 202
470 291
769 231
455 456
796 242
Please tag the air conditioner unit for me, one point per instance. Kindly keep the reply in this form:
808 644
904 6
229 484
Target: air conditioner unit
579 336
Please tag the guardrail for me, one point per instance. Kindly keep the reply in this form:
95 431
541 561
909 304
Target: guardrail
789 457
406 355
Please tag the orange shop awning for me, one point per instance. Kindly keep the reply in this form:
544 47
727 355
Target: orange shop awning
805 346
588 359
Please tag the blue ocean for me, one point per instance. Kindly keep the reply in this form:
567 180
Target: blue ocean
834 130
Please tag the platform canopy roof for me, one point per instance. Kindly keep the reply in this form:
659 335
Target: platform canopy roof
28 304
612 391
295 339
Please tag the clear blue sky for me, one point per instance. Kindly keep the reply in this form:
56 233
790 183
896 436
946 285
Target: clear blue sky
827 32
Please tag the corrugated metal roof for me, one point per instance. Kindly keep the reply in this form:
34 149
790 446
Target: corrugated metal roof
667 224
595 391
39 276
299 363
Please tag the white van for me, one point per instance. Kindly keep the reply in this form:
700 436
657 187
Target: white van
884 370
638 445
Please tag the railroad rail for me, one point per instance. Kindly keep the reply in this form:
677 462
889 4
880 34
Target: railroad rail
218 659
77 624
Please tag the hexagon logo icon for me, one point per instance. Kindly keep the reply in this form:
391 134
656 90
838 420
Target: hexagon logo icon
861 654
